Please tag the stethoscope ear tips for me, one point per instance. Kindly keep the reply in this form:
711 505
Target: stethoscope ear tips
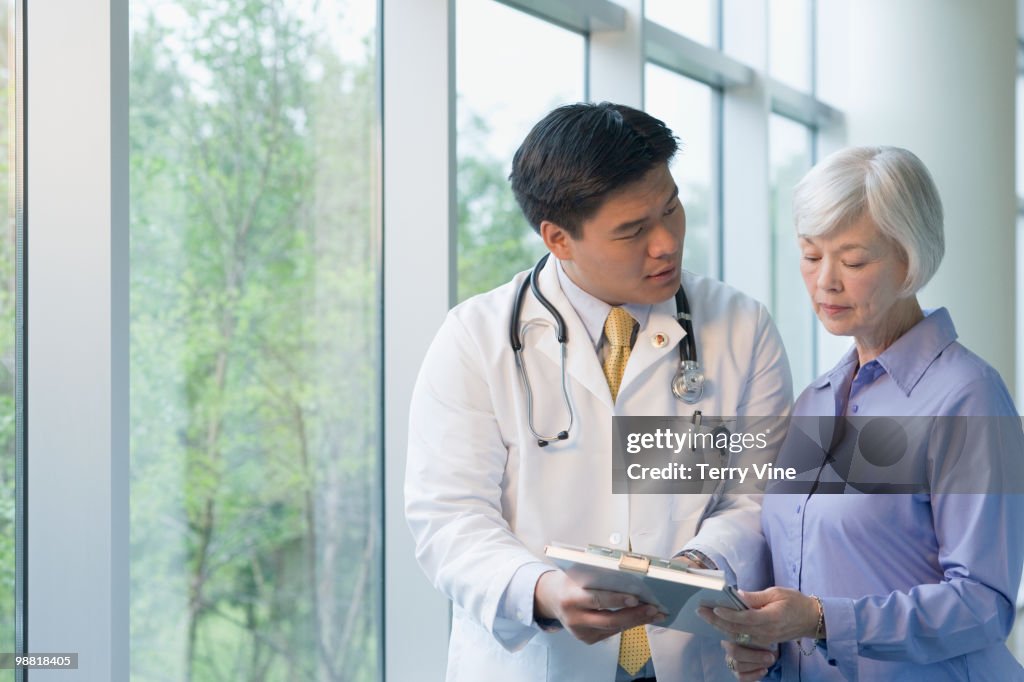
562 435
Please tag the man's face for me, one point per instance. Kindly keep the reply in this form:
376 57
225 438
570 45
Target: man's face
630 251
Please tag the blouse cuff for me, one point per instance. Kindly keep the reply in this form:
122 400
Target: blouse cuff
840 635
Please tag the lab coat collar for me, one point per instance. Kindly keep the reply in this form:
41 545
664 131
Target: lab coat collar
661 334
581 363
593 311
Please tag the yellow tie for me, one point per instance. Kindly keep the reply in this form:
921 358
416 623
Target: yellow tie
618 328
634 649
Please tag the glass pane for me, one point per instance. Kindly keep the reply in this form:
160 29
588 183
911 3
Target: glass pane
8 355
790 159
692 18
1020 139
1020 269
790 42
255 334
687 108
1016 640
505 84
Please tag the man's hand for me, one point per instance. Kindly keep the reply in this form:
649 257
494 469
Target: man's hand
748 665
777 614
589 615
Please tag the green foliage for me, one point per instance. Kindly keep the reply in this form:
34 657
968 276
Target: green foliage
494 239
7 355
254 348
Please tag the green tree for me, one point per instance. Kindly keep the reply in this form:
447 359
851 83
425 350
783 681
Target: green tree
494 239
254 438
7 349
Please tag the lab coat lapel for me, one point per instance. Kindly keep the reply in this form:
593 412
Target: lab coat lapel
662 334
582 363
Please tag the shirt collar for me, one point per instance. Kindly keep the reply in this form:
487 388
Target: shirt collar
836 374
593 311
907 359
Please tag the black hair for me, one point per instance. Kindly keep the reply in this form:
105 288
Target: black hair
578 154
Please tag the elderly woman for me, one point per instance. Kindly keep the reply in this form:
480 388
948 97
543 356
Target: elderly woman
898 586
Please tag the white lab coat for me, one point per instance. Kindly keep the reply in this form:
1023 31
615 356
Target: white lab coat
482 499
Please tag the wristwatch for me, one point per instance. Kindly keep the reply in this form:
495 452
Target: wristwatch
698 557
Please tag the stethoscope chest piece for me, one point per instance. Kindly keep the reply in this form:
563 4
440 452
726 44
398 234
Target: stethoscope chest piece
688 384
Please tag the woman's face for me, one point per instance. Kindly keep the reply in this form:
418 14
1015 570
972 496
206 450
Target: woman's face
854 277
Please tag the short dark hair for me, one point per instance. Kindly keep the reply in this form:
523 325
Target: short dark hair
578 154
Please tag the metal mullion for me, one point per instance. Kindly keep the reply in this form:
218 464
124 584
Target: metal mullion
580 16
685 56
718 173
800 106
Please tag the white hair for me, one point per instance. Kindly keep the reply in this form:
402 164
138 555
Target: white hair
893 187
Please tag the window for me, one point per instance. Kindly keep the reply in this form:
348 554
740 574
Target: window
694 19
688 108
1016 642
1020 249
255 334
789 59
790 156
11 376
511 69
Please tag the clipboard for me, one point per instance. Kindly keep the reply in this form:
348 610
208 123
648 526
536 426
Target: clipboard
676 589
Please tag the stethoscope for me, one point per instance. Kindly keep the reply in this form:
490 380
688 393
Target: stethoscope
688 384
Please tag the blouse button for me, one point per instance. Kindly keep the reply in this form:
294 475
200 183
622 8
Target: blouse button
856 408
615 538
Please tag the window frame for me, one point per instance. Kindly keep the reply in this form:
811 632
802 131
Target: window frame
77 273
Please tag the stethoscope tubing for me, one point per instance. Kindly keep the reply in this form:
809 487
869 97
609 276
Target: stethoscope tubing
687 347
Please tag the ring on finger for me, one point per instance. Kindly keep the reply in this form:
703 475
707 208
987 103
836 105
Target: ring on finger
731 663
743 639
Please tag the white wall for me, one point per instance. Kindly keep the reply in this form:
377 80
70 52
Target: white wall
938 77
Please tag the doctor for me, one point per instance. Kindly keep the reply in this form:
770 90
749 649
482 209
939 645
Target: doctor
501 464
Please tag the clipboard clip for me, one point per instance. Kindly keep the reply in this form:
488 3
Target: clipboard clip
637 563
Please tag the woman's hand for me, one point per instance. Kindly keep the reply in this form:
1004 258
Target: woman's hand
748 665
777 614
